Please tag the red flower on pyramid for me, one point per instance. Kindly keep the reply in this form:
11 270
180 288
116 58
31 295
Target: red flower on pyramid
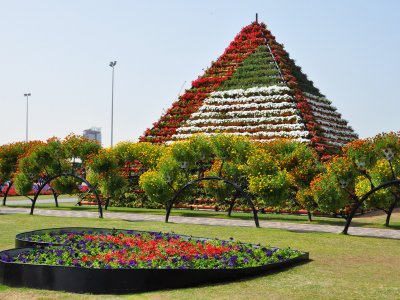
254 89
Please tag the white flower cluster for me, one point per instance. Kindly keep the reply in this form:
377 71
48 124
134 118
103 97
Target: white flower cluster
260 134
342 125
251 99
325 111
317 98
341 134
329 118
285 119
270 90
245 113
335 137
321 105
260 112
268 105
337 144
238 129
265 113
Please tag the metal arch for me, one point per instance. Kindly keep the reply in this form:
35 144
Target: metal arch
365 197
10 184
48 180
231 183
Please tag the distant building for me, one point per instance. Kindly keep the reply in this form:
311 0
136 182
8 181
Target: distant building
93 133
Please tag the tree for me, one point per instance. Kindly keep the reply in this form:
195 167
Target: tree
55 157
9 156
190 165
302 164
361 178
103 171
268 182
134 159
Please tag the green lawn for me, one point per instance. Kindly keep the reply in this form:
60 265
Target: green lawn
345 267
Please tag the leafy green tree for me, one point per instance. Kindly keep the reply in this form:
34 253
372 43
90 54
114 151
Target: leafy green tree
302 164
103 171
356 180
55 157
267 181
9 156
134 159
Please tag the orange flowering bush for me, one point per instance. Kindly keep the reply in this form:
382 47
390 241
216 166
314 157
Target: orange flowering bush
44 160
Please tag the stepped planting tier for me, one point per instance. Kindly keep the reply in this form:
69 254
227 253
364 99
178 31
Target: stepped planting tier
254 89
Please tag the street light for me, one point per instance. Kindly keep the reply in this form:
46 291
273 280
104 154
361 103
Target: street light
112 65
27 96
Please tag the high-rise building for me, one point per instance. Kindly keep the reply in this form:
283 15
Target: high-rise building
93 133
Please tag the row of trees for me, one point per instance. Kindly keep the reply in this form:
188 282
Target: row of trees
281 174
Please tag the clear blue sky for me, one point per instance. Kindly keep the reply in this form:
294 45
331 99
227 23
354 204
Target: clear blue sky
59 51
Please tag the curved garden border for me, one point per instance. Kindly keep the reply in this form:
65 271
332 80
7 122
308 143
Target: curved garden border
118 281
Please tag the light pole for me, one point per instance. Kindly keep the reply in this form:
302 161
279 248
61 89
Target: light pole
112 65
27 97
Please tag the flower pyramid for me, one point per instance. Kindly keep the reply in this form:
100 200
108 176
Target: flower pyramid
254 89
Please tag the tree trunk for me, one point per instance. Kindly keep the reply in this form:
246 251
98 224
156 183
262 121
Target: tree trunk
10 183
389 213
55 196
351 215
309 216
231 206
107 202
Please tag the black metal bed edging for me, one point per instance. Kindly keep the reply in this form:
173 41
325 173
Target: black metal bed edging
121 281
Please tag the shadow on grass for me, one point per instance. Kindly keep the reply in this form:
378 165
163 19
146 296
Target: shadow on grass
247 278
273 217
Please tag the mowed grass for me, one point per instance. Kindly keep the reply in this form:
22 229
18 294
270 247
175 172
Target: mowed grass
341 267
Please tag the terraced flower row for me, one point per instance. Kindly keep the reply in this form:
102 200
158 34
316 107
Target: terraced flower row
243 45
255 60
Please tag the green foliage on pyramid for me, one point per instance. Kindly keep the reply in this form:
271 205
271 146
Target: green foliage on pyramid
258 69
254 89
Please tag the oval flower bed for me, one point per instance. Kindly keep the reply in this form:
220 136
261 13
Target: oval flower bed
118 261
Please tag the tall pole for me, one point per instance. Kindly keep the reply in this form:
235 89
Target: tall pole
27 113
112 65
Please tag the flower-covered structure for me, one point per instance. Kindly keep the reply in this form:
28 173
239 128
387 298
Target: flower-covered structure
254 89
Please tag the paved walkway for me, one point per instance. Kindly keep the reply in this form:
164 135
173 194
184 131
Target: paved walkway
135 217
41 201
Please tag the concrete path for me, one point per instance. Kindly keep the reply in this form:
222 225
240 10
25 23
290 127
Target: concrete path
41 201
135 217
